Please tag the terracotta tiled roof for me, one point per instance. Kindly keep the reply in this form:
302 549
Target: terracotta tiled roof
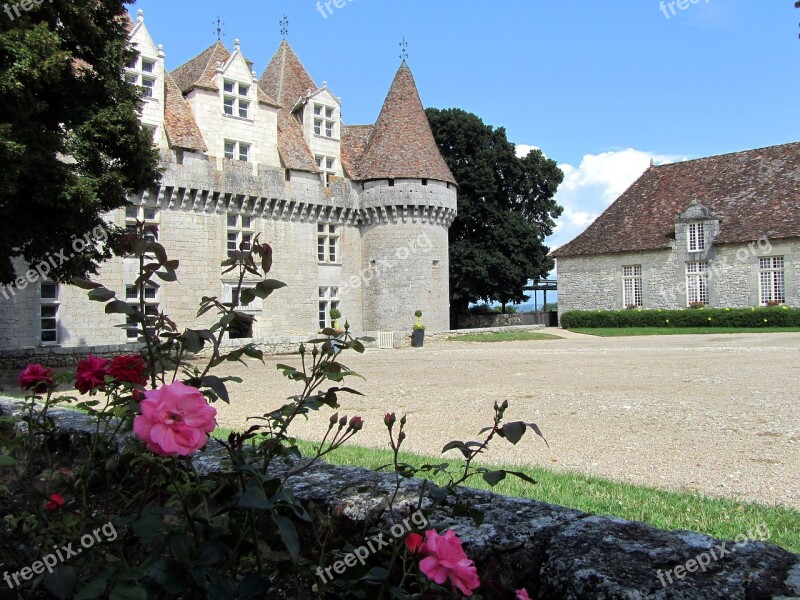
355 139
181 127
402 144
200 71
287 80
754 193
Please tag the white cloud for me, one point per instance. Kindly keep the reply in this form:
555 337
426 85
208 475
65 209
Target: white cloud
591 187
523 150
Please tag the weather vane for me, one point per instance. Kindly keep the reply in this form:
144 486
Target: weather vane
284 23
404 49
219 25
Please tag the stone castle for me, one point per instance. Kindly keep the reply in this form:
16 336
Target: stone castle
358 216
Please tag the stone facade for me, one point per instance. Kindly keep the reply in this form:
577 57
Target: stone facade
390 235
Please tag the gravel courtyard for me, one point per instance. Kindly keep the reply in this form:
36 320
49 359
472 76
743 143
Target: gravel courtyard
717 414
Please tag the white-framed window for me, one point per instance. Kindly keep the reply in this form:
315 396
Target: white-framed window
324 121
328 300
771 280
236 99
697 282
240 233
632 285
326 164
151 308
49 305
328 236
696 237
237 150
149 215
141 72
244 327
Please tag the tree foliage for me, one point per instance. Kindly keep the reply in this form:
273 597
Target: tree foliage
506 209
71 143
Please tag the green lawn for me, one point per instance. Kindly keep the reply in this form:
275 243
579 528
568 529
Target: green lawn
504 336
628 331
668 510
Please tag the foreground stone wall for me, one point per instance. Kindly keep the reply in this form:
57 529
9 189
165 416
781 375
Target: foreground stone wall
554 552
490 320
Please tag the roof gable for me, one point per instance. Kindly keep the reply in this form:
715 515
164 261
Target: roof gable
402 143
201 70
753 194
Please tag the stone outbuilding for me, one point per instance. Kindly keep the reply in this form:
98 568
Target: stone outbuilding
723 231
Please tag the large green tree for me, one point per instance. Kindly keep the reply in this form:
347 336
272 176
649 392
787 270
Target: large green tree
506 209
71 144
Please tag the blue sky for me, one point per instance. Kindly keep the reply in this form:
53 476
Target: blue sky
601 87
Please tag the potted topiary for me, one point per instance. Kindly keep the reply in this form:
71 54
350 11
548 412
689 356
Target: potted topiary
418 333
336 314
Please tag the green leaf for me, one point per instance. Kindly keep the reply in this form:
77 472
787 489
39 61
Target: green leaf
101 294
523 476
169 574
288 534
85 284
376 574
61 582
93 590
216 384
513 432
253 586
254 497
128 591
494 477
119 307
7 461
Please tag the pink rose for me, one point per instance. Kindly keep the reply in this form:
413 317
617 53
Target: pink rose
91 373
445 559
37 378
522 595
175 419
130 368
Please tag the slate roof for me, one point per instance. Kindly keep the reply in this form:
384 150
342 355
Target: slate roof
200 71
754 193
287 80
179 123
402 143
355 139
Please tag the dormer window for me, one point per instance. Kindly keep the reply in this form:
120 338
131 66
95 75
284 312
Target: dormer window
324 120
327 165
696 237
236 101
140 72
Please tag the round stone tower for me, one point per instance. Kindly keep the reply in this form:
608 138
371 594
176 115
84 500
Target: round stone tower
409 202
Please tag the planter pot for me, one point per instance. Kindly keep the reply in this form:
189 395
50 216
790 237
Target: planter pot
417 338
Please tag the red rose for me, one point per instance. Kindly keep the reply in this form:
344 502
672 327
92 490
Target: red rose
414 543
389 420
55 502
37 378
91 373
356 423
130 368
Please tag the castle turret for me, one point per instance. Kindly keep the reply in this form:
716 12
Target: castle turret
408 202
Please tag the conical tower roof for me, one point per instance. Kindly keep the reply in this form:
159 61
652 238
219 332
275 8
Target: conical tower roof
402 145
287 80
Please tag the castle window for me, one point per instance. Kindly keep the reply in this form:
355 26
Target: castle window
328 167
237 150
328 243
140 72
771 280
328 300
148 215
135 300
240 234
49 292
697 282
324 120
235 99
424 182
391 183
287 175
632 285
696 235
